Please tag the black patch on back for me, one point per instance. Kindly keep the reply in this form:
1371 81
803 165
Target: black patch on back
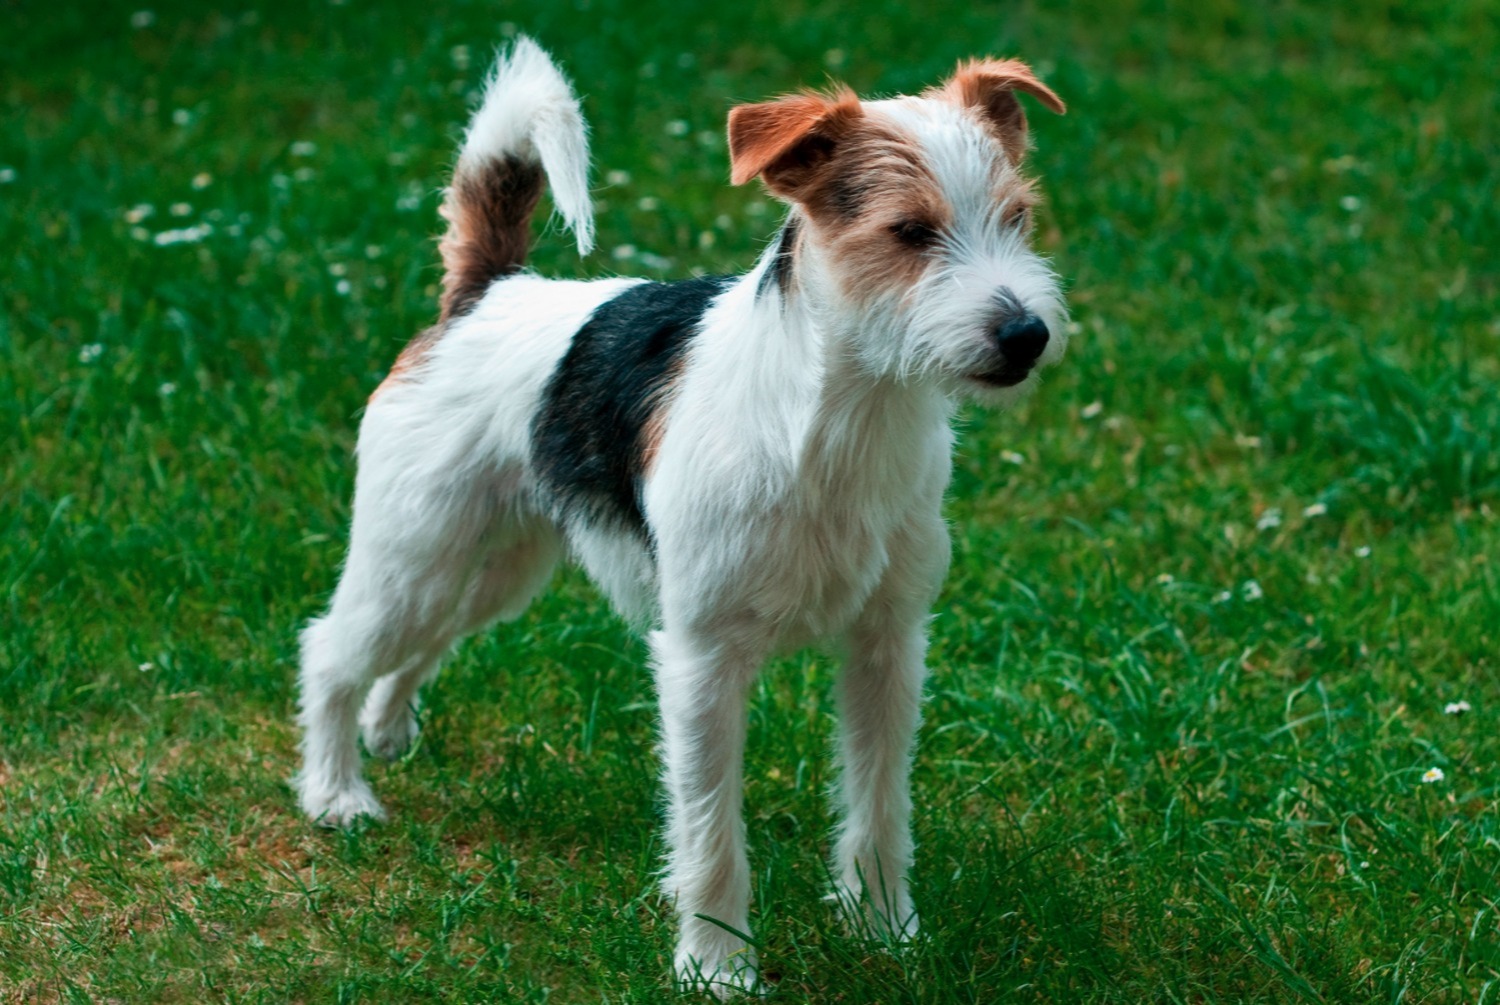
586 439
779 272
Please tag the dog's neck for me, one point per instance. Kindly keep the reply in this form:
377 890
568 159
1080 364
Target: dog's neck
789 356
797 297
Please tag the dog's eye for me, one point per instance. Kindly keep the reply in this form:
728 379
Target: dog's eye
914 234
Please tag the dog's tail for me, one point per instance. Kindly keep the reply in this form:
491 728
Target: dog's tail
528 130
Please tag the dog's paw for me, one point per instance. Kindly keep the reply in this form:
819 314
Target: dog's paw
340 807
890 920
735 976
388 739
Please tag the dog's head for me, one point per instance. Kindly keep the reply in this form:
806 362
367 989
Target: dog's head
912 224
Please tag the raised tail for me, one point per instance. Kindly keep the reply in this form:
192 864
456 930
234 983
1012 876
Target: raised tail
528 131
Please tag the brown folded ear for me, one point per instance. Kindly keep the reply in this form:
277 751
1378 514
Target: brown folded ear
989 86
785 142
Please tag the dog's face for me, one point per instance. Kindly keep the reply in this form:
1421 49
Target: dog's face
915 224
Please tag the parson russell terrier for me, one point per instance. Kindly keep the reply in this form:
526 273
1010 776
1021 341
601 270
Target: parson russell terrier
744 464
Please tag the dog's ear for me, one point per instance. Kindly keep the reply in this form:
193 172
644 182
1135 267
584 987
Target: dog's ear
989 87
786 142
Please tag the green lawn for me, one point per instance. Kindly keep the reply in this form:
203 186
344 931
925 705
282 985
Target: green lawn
1211 592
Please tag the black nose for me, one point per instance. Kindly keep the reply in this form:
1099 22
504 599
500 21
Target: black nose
1022 339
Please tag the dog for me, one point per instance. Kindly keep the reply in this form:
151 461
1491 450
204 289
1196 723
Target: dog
743 464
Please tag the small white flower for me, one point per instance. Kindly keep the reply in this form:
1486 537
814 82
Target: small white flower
1316 509
167 389
143 19
1224 597
707 239
186 235
337 269
653 261
144 667
1011 457
460 56
373 251
180 209
182 117
1456 707
1165 579
834 58
408 202
624 252
140 233
7 175
1364 865
677 127
343 286
617 177
1092 410
139 212
1363 551
1350 203
1251 590
202 180
648 203
90 352
723 221
1269 520
1432 775
304 148
304 174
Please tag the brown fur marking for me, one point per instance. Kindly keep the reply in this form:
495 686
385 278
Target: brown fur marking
989 86
488 209
874 182
788 140
655 426
411 354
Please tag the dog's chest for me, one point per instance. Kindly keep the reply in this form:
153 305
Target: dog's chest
828 540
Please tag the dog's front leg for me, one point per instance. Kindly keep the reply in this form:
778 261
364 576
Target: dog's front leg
879 698
702 685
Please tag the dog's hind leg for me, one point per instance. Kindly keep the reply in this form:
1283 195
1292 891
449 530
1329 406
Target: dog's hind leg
381 620
500 589
425 516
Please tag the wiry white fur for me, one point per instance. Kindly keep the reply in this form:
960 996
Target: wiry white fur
795 497
529 109
942 330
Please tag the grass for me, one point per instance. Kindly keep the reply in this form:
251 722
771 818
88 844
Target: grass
1141 779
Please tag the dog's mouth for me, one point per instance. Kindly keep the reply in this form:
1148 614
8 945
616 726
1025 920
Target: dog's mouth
1005 376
